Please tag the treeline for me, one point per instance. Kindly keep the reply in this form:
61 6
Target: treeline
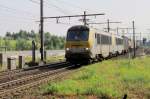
22 40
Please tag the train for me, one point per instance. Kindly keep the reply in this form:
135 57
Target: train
87 44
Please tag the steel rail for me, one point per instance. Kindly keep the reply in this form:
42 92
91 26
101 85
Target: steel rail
32 70
10 92
27 79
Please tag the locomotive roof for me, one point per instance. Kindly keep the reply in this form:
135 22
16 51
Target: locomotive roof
78 27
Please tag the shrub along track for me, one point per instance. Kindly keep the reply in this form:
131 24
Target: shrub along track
27 81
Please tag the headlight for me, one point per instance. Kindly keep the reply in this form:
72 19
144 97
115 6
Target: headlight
67 49
86 49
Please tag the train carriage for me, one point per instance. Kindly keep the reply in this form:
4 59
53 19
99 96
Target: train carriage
85 44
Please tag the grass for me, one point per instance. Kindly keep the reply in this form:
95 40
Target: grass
48 60
109 79
0 67
54 58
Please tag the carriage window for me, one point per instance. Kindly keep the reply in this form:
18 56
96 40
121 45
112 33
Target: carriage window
98 39
105 39
110 40
95 35
119 41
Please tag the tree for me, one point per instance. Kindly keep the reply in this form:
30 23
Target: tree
22 40
8 34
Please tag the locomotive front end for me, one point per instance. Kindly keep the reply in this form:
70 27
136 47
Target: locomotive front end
77 44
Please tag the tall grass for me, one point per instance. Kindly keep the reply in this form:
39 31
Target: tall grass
112 78
49 58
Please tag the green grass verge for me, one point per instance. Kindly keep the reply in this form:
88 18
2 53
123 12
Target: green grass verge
48 60
110 79
55 58
0 67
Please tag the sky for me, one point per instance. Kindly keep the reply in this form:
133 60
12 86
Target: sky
24 14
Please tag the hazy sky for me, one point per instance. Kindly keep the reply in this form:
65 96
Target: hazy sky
23 14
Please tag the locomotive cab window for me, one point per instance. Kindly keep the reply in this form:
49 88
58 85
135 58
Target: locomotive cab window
78 35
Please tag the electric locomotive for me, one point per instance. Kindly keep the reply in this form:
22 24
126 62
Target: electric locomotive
78 44
85 44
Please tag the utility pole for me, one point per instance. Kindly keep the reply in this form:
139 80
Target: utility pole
134 53
148 35
41 30
117 31
108 25
140 39
84 19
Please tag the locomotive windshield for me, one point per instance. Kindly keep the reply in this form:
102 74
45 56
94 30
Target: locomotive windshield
78 35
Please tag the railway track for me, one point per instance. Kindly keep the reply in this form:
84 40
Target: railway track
8 72
20 89
15 74
13 86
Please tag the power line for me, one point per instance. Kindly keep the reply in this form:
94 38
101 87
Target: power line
16 10
73 5
33 1
67 4
49 5
58 8
18 17
73 16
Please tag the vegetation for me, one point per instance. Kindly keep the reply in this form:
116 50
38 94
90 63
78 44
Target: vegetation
0 67
22 40
55 58
109 79
48 60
